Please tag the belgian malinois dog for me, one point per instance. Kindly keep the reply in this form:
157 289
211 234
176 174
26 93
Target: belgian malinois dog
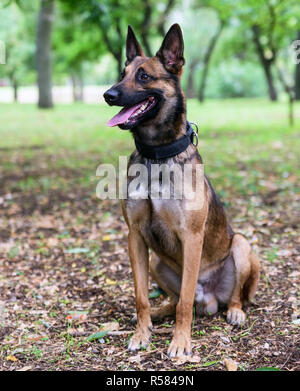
196 258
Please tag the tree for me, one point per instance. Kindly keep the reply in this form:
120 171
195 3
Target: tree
267 59
207 59
200 47
270 21
222 13
297 74
18 34
272 24
43 53
74 46
111 17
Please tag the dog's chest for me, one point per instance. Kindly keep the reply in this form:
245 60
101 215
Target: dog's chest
159 222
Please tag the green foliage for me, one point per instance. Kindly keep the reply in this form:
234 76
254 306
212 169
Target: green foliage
234 78
96 336
74 44
17 33
268 369
89 37
276 23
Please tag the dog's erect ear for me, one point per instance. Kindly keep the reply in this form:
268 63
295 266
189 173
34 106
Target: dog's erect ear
171 50
133 48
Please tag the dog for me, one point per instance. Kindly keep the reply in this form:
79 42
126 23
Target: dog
196 257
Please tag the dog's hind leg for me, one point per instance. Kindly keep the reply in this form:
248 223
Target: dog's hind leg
247 267
170 282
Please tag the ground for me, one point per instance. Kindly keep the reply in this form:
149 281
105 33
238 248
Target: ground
64 267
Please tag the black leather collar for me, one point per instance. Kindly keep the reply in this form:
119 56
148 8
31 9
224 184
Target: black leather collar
165 151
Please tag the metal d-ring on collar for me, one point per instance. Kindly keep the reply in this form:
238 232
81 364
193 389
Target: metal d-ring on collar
195 135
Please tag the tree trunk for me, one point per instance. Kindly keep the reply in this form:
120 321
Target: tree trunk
43 53
15 87
266 63
290 93
207 59
164 17
297 75
14 84
144 27
77 86
120 64
203 81
190 89
115 51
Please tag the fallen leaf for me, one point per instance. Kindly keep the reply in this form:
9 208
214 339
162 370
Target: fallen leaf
135 359
209 363
46 222
108 281
96 336
110 326
294 274
231 366
155 293
77 250
24 369
267 369
52 242
11 358
77 316
187 359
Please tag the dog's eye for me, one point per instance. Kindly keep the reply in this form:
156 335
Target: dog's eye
144 76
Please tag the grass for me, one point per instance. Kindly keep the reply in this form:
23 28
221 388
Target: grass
82 128
76 137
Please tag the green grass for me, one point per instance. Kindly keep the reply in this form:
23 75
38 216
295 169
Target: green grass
82 127
246 132
66 128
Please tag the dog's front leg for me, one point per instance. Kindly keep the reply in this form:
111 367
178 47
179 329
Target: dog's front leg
139 259
192 250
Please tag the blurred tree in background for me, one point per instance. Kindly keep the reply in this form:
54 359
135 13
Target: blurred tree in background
297 74
43 53
75 45
111 17
18 34
233 48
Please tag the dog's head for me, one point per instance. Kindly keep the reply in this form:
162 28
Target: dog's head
149 90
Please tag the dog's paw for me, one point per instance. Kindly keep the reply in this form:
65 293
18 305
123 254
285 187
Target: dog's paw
236 317
139 340
180 346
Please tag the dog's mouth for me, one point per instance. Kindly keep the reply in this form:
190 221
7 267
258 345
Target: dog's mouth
128 117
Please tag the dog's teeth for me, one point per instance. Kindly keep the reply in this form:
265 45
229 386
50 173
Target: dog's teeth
141 109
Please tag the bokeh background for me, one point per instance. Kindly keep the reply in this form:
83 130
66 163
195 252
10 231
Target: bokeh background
233 49
66 288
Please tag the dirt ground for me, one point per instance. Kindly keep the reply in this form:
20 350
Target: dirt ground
65 275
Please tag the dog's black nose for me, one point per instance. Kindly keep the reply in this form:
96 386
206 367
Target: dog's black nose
112 95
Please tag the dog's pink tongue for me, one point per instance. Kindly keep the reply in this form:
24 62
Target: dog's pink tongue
123 115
